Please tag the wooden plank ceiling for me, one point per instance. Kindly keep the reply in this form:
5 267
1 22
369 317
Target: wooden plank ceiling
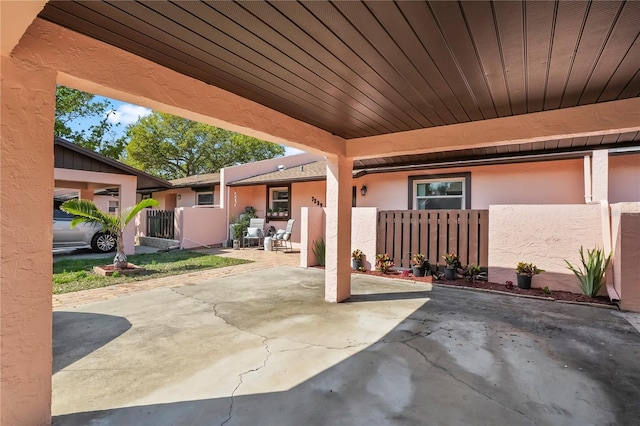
367 68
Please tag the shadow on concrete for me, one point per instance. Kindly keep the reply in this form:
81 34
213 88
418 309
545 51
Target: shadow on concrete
77 334
461 358
375 297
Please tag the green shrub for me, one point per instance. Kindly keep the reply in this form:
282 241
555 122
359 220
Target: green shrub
592 276
319 249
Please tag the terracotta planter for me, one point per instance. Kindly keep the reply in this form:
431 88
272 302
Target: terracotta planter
524 281
449 273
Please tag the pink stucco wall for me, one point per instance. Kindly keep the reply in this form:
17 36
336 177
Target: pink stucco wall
624 178
196 227
312 225
625 223
523 183
102 201
26 235
363 233
544 235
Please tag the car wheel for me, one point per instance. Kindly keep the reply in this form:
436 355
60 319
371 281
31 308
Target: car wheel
103 243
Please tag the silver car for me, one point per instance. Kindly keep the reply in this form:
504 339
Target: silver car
84 235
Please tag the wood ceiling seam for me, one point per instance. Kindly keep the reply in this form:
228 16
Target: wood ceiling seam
598 16
361 117
457 109
403 63
387 99
483 32
510 36
539 22
468 70
367 44
426 29
282 84
349 37
550 54
612 26
628 61
379 120
569 21
502 58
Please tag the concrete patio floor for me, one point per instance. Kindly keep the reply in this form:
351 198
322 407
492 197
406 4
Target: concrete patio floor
263 348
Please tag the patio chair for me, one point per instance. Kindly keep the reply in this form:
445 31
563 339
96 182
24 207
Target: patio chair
279 241
255 232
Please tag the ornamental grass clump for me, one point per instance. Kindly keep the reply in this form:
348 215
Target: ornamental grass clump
319 250
592 276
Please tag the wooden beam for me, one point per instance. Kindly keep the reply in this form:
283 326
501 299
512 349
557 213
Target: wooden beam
588 120
96 67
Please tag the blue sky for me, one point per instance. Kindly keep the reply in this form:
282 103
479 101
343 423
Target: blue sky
125 114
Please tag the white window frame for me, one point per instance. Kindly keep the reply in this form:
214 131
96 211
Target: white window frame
279 204
417 182
113 208
198 194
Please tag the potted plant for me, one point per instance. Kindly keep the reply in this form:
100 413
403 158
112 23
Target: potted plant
452 262
524 273
383 263
240 228
86 211
418 265
269 212
357 257
471 272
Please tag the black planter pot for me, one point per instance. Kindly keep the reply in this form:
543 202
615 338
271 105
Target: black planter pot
449 273
356 264
524 281
418 271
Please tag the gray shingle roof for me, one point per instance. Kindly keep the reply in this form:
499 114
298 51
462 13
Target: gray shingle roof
197 180
303 173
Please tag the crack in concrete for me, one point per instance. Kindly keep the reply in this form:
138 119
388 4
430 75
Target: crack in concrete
439 367
233 393
265 339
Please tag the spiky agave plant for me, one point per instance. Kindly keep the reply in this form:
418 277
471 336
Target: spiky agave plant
595 266
86 211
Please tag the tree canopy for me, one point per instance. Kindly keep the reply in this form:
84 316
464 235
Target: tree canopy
73 105
173 147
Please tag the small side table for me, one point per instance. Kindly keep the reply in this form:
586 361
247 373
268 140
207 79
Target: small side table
267 244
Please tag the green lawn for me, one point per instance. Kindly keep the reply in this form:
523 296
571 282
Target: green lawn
76 274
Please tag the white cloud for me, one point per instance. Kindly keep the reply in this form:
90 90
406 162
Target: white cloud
292 151
128 114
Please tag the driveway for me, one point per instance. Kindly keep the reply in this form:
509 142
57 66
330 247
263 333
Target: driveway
263 348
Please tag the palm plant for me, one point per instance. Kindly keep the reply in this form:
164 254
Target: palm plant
86 211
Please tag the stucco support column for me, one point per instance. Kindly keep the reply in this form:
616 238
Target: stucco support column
87 194
600 175
337 281
26 194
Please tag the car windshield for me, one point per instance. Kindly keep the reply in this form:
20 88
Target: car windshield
60 215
